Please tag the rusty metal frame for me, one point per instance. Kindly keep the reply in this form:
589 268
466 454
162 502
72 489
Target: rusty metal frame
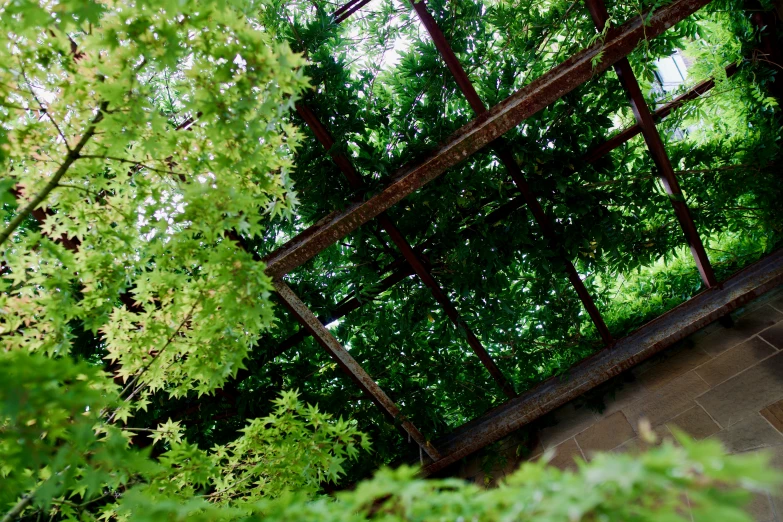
657 150
488 129
508 208
653 337
505 156
474 136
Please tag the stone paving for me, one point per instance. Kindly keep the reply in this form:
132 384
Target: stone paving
721 383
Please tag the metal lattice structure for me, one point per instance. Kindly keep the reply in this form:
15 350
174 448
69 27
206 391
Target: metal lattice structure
487 130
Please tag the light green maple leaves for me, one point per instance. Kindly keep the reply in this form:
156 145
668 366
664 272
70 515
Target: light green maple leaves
147 205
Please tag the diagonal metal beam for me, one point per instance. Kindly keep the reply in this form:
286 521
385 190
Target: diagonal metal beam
345 165
661 112
503 152
514 204
655 336
350 366
657 150
346 10
485 129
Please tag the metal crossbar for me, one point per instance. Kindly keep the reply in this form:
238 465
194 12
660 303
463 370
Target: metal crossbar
507 159
657 150
408 253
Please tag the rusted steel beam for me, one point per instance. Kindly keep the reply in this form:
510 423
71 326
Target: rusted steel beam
652 338
504 154
345 165
342 309
661 112
483 130
350 366
514 204
348 9
657 150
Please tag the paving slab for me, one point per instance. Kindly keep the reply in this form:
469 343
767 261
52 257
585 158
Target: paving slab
751 433
774 415
745 327
568 421
777 303
774 335
734 360
637 445
667 402
606 434
671 365
695 422
565 453
746 393
760 508
630 392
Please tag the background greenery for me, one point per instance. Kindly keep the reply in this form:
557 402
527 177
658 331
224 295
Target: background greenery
159 293
387 97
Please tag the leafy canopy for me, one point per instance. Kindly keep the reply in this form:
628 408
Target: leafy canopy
148 151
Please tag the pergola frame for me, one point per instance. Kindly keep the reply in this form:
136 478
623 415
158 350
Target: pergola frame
618 355
487 130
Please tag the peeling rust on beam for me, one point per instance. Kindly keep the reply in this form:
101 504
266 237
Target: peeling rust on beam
650 339
485 129
350 366
657 150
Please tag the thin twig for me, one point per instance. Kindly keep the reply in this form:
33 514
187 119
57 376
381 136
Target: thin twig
138 164
70 158
15 511
154 358
43 109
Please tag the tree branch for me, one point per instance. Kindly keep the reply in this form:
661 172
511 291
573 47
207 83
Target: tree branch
73 155
18 508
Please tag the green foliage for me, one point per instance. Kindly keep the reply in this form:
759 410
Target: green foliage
57 446
90 115
611 487
140 143
387 97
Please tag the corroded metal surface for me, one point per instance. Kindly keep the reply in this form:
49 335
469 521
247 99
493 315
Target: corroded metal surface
486 128
349 365
657 150
653 337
